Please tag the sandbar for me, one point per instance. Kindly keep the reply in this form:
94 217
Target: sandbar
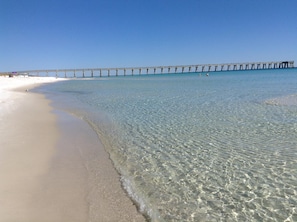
289 100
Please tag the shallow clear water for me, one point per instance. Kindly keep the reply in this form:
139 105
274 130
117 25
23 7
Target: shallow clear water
197 148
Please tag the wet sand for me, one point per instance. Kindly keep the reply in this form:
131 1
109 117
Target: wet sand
52 165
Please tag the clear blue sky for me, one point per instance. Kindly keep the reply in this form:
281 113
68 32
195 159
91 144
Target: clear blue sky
52 34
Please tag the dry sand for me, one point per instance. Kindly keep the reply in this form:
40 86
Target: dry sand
52 166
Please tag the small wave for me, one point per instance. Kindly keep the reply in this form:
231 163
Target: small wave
143 207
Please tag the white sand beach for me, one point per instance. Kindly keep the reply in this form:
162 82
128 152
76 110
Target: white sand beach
43 170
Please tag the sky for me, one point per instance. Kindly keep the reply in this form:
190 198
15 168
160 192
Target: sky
60 34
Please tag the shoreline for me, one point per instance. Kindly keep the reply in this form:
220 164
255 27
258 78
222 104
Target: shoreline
70 179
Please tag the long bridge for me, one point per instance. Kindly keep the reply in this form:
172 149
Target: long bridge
106 72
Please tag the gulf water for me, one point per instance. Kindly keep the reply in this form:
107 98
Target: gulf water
191 147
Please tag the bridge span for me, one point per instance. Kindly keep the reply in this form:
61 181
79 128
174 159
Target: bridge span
200 68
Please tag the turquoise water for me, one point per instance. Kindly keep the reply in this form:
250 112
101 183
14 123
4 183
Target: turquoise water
196 148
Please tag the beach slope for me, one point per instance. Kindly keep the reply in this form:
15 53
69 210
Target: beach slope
45 177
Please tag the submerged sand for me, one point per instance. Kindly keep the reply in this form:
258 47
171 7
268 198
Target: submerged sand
289 100
52 165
